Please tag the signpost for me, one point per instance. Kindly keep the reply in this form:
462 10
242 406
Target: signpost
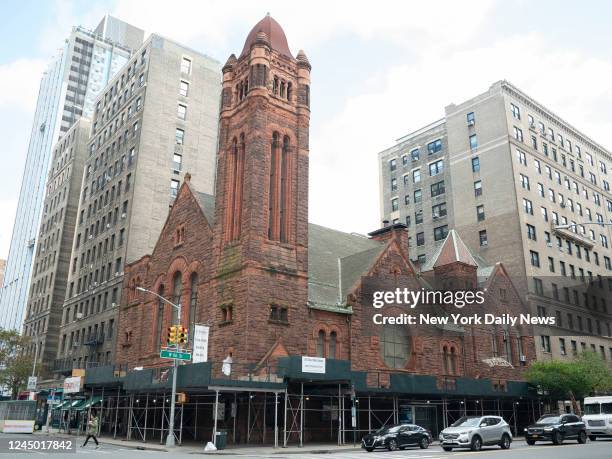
171 354
32 380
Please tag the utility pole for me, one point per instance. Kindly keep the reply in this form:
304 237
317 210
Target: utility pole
170 442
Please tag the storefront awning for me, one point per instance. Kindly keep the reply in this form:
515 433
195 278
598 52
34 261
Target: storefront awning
90 402
73 404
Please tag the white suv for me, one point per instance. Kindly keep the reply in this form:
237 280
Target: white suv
474 432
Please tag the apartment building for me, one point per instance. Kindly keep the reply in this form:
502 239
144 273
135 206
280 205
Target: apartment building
68 90
532 191
55 236
156 120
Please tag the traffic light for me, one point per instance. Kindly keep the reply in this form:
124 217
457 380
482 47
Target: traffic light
172 334
183 335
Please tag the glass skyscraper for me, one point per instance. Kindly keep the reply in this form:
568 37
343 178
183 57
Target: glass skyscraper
68 89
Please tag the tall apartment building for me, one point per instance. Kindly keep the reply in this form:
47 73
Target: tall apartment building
68 89
516 172
55 237
156 120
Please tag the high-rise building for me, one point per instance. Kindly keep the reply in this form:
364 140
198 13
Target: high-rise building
513 173
55 236
155 119
68 89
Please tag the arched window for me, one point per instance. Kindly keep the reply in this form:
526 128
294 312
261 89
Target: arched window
235 176
289 90
280 166
177 290
193 302
453 361
445 360
394 346
333 340
321 344
160 316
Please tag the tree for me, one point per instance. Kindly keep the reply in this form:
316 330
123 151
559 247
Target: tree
15 367
575 379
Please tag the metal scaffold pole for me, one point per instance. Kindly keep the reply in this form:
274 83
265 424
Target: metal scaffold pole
275 420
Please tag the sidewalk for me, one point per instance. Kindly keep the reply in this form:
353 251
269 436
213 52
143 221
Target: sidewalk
192 448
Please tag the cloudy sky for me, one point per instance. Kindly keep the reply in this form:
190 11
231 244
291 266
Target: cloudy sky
381 69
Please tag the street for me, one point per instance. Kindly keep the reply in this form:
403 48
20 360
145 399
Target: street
600 449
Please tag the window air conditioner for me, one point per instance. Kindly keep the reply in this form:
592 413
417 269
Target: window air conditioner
485 243
523 358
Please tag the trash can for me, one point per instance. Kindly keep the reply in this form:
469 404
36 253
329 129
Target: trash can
221 439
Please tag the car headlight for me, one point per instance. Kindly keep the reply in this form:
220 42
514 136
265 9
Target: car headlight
526 429
548 429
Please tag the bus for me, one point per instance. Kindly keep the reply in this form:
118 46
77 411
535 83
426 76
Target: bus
598 416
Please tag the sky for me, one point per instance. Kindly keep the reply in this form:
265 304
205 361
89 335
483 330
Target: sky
379 71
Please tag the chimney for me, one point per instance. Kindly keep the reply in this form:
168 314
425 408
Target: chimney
398 231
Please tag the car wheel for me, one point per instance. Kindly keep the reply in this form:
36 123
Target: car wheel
582 437
505 442
424 443
392 446
369 450
476 443
592 437
447 448
530 442
557 438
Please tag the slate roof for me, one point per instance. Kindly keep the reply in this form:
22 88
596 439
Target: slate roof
336 261
207 203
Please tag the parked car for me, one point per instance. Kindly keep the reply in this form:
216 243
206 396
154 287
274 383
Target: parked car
556 428
598 417
474 432
396 437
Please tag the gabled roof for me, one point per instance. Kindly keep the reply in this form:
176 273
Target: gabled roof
336 261
207 204
453 250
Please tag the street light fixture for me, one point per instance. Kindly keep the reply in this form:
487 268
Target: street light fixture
573 225
170 438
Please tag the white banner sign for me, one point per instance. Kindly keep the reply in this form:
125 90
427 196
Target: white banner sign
72 385
32 380
313 365
200 343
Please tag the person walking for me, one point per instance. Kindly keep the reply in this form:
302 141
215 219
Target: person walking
92 430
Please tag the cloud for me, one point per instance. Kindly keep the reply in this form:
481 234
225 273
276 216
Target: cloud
344 167
19 83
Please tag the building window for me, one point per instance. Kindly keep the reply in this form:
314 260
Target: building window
184 88
440 232
545 343
174 186
193 301
416 175
418 217
477 188
434 147
436 168
473 142
394 204
475 164
527 206
471 120
437 189
278 313
518 134
482 236
186 66
420 237
418 196
531 232
516 111
394 184
415 154
393 165
394 346
480 213
235 172
535 258
521 157
160 315
321 344
177 162
181 111
227 313
439 210
333 344
562 348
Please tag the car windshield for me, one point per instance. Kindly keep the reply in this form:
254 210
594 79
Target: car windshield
387 430
591 408
549 420
467 422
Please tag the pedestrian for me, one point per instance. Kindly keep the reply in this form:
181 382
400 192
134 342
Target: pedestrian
92 429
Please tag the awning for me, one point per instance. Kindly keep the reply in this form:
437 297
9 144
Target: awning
90 402
73 404
60 404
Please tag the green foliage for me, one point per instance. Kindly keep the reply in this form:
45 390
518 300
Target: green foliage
14 366
586 374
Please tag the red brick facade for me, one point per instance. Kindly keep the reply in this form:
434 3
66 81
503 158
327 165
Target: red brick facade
249 254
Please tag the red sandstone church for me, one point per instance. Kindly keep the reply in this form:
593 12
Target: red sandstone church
274 288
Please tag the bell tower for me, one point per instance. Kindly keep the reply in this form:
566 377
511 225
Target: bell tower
261 215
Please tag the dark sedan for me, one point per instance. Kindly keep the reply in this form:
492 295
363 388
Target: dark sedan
396 437
556 428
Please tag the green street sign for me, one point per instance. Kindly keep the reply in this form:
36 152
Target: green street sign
168 354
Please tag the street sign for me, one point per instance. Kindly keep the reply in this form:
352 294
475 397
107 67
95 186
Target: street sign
32 380
168 354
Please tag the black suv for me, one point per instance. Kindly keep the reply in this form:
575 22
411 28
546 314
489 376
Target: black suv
556 428
397 437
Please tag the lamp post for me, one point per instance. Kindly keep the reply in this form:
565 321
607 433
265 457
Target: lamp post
170 438
574 225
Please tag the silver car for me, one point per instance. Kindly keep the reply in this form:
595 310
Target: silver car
474 432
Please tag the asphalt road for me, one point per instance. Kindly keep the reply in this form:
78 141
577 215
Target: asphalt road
600 449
